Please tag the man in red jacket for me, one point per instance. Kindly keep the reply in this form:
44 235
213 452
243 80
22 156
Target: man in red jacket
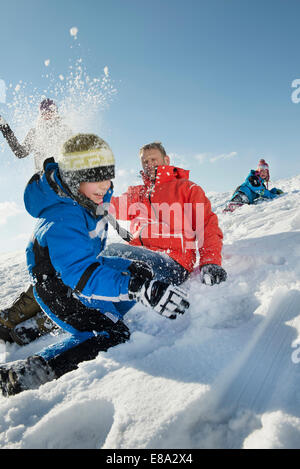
170 214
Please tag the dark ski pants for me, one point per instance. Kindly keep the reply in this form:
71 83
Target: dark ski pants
240 198
89 331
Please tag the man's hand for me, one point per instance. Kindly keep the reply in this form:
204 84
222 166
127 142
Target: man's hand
212 274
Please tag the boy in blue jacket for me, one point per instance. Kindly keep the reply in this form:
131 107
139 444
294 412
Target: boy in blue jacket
254 187
83 292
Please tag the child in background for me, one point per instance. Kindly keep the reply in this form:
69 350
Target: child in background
254 188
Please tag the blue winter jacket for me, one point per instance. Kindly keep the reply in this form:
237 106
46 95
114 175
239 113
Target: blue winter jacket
254 192
69 238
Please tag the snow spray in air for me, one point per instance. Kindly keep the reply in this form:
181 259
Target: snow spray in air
80 96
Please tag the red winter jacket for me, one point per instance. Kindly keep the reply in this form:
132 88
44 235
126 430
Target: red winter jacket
173 215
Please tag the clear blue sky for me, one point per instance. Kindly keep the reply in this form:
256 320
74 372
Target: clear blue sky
205 77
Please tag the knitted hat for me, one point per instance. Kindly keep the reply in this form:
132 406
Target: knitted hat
262 164
85 158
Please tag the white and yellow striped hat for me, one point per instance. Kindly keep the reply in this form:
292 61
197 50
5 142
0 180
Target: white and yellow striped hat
85 158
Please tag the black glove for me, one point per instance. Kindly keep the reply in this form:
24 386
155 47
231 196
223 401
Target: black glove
167 300
212 274
140 273
254 181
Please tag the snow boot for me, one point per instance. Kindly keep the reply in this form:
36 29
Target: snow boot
23 309
22 375
32 329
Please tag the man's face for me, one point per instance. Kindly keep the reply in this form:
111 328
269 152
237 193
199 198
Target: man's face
151 159
95 191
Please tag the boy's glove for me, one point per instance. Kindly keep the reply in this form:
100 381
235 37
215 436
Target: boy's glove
140 273
167 300
212 274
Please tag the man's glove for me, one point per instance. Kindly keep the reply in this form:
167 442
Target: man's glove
212 274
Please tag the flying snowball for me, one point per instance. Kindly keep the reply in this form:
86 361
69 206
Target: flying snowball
106 71
47 62
74 31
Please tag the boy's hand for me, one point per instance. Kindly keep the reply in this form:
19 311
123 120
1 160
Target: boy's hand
140 273
166 300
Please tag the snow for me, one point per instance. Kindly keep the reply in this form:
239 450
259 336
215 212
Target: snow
74 31
225 375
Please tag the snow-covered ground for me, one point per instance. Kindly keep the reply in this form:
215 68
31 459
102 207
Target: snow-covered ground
225 375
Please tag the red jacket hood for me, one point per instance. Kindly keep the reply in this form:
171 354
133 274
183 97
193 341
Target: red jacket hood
165 173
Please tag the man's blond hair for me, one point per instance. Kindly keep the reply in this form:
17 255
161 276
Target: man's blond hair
153 146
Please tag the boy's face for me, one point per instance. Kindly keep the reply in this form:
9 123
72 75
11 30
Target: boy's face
95 191
151 159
